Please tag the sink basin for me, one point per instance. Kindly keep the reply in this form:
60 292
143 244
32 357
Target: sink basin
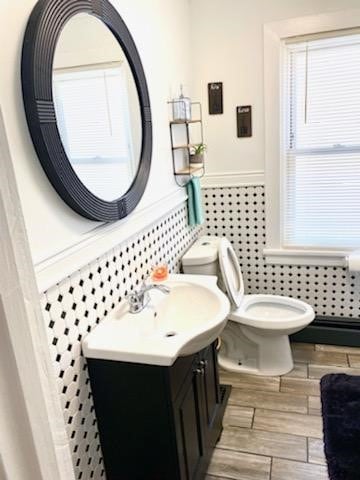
178 324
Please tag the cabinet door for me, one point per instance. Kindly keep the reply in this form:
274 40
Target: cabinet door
190 445
211 392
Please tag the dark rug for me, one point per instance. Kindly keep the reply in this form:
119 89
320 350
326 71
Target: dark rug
340 397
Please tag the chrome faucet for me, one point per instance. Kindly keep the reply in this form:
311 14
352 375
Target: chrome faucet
138 300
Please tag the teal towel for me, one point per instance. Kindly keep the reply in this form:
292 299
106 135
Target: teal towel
195 210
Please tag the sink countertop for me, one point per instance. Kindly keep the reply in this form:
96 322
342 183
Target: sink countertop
178 324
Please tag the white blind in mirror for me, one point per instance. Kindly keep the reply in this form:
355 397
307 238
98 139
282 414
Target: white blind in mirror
321 138
93 119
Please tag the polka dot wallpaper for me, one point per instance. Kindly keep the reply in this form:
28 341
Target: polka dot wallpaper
74 307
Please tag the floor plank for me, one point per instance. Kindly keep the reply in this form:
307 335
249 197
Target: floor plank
300 370
285 422
354 361
289 470
252 382
316 451
302 346
269 400
237 416
264 443
318 371
239 466
321 358
211 477
314 404
300 386
337 348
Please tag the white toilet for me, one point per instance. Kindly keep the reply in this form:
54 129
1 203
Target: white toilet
256 338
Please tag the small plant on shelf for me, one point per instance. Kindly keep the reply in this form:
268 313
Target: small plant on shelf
197 153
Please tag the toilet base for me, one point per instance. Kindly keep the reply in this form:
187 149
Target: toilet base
258 352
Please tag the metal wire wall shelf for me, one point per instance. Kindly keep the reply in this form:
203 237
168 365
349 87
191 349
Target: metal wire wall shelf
183 132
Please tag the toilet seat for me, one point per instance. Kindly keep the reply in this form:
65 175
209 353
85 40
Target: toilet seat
272 312
231 272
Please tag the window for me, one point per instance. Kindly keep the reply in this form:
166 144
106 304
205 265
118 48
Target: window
321 142
312 138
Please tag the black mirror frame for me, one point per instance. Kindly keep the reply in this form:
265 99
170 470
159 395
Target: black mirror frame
43 30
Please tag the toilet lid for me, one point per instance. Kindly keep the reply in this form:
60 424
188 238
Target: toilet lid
231 272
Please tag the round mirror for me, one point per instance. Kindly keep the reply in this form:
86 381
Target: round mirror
87 106
97 107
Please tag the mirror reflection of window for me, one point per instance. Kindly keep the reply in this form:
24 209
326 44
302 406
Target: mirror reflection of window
97 107
94 123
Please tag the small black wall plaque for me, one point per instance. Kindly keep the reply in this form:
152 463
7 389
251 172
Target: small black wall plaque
215 93
244 123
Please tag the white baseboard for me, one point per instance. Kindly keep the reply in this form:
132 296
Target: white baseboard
54 269
233 179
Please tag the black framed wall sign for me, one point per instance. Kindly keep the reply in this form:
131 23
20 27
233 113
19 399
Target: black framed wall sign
215 98
87 106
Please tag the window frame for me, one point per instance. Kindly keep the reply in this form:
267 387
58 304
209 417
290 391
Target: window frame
275 36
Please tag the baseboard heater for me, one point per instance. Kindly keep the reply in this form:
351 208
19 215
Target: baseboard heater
331 331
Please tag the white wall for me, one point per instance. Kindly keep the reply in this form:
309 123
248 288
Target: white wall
227 46
161 31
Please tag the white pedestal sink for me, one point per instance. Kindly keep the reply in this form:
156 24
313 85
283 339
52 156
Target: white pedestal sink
178 324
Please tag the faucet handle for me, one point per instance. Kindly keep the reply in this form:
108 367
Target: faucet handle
144 285
139 300
163 288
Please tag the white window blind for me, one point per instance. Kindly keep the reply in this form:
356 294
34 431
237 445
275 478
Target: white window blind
93 119
321 136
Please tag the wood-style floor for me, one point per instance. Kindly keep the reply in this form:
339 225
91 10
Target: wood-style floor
273 425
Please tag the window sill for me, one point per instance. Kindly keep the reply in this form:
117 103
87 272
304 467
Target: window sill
282 256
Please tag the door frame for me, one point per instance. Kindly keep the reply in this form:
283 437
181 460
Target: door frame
28 388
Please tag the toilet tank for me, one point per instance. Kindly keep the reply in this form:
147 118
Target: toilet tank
202 257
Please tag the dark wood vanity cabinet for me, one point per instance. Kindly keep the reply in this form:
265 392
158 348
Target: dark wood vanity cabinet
158 423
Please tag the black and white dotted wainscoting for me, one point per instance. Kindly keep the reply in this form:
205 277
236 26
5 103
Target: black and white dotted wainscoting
76 305
238 213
